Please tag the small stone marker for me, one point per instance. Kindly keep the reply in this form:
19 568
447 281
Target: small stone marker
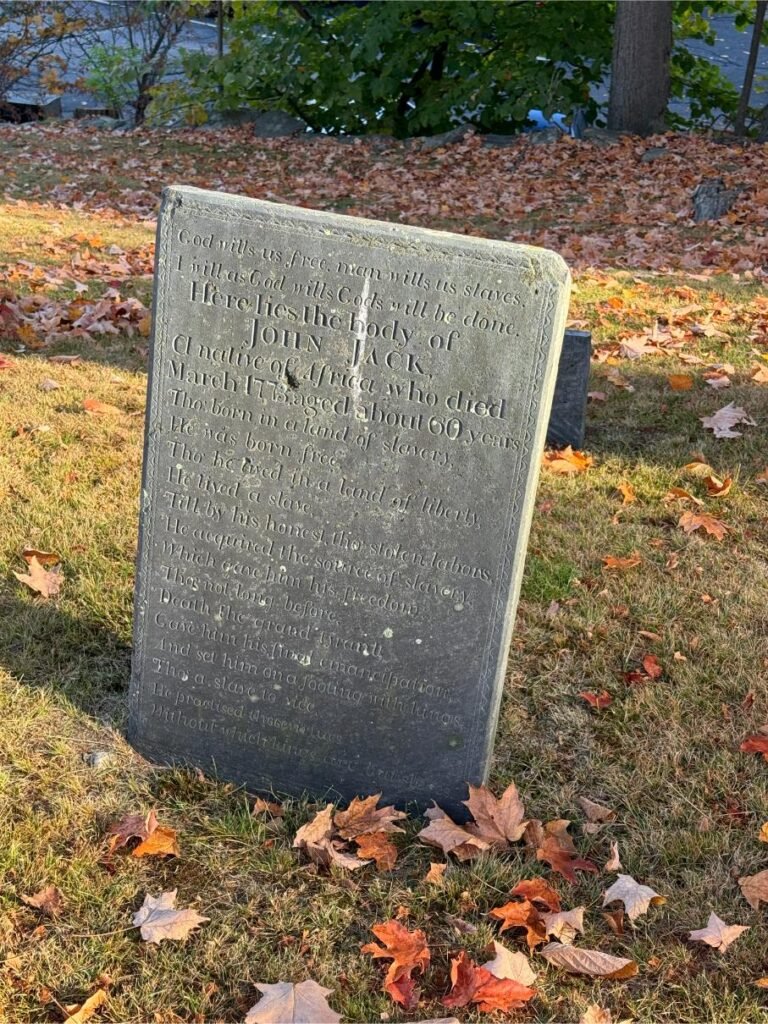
344 431
568 419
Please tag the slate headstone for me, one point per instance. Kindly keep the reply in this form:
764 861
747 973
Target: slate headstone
344 431
567 421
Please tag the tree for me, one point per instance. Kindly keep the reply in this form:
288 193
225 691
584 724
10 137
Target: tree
640 76
740 120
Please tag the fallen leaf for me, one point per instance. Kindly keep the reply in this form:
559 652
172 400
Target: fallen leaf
538 890
512 965
595 1014
444 833
408 952
65 360
266 807
566 461
619 381
157 919
724 420
680 494
651 666
627 492
698 468
5 364
564 924
46 583
44 557
596 812
376 846
754 888
362 816
680 381
48 901
95 407
87 1009
613 863
48 384
692 521
588 961
462 927
717 380
315 840
757 744
615 921
562 859
472 984
435 874
132 826
597 396
498 822
636 898
717 933
763 834
762 478
762 982
597 700
717 488
613 562
162 842
288 1003
522 914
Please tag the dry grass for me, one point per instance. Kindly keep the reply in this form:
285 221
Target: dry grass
665 755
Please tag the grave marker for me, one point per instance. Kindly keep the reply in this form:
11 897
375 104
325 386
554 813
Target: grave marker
344 431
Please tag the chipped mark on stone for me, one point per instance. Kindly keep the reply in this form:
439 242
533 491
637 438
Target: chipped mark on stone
388 633
359 352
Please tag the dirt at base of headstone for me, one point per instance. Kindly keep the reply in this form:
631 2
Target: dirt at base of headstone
712 200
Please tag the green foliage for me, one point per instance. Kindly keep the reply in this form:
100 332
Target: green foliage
111 74
408 69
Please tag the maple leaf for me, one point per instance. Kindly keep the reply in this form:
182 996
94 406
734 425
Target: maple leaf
499 822
651 666
158 920
717 488
288 1003
566 461
636 898
376 846
757 744
361 816
595 1014
266 807
613 562
564 924
408 952
754 889
597 700
562 860
48 901
444 833
435 874
596 813
80 1013
508 964
314 838
680 381
95 407
724 420
162 842
473 984
627 492
588 961
538 890
717 933
691 521
524 915
759 374
44 582
132 826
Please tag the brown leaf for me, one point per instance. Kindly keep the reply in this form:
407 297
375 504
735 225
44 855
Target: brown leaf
613 863
717 488
680 381
588 961
564 924
376 846
311 838
97 408
65 360
595 1014
48 901
562 860
288 1003
566 461
615 921
87 1009
613 562
636 898
132 826
757 744
691 521
698 468
680 494
717 933
754 888
724 420
361 816
158 920
596 812
408 952
44 557
651 666
597 700
763 835
266 807
160 843
450 837
538 890
499 822
44 582
435 874
512 965
473 984
523 915
627 492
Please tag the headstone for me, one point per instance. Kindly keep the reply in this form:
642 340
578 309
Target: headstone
344 431
568 419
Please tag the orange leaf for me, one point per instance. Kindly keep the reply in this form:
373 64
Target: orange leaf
691 521
160 843
680 381
717 488
757 744
376 846
408 952
613 562
473 984
563 860
524 915
435 874
597 700
538 890
652 666
566 461
43 557
627 491
362 816
95 407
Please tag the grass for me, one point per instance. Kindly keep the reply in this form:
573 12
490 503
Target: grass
664 755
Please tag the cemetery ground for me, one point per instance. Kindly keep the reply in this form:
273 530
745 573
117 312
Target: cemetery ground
638 660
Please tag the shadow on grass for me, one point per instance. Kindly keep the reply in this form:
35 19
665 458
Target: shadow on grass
79 657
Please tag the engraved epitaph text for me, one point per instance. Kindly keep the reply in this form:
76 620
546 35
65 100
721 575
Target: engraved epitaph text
344 427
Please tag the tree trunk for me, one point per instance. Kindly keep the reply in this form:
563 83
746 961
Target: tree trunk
740 120
642 43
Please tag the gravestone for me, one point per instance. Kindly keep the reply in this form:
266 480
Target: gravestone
568 418
344 431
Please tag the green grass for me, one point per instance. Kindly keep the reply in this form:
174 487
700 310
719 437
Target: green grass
664 755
